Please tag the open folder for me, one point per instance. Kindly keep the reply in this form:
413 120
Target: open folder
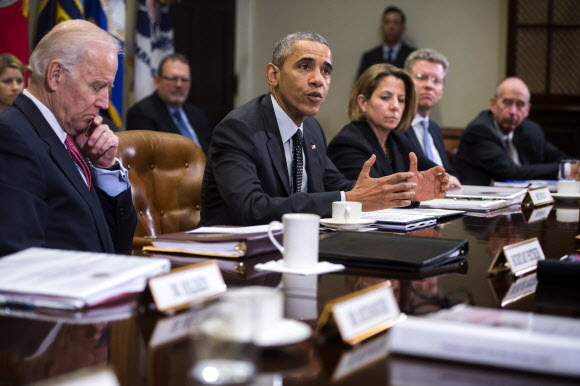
391 251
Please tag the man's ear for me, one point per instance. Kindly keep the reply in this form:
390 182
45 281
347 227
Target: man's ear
492 104
272 73
156 81
54 74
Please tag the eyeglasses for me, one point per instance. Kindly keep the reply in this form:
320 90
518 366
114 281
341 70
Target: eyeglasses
424 78
173 78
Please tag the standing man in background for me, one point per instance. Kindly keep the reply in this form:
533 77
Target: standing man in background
167 109
393 50
429 69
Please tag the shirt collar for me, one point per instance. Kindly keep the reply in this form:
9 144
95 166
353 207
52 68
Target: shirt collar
418 118
48 115
286 125
510 136
395 49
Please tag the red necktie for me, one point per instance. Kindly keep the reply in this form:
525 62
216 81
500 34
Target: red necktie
76 156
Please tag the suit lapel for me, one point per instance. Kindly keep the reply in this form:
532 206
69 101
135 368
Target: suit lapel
382 164
65 163
315 156
410 133
166 118
274 144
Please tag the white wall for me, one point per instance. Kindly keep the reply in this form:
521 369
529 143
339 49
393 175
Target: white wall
471 33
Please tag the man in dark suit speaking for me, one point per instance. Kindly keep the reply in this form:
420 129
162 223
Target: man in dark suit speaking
167 109
393 50
268 157
60 183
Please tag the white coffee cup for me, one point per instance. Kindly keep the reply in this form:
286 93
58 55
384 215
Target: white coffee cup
567 215
249 311
300 239
346 212
569 187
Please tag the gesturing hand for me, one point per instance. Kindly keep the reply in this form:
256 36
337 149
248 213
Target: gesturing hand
381 193
431 184
99 144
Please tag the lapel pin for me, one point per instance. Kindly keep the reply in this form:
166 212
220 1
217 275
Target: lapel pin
313 147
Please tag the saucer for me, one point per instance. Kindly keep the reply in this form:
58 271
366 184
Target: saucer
330 223
287 332
566 197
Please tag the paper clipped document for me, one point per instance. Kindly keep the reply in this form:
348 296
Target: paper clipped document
52 278
493 337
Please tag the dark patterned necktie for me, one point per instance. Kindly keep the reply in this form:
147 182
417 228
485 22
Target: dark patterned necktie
76 156
297 161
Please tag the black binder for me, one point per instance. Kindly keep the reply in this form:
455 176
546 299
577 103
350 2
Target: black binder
391 251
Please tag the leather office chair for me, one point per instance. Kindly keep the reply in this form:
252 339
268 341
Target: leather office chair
165 171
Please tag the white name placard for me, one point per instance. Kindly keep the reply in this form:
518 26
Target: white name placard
364 313
353 360
519 258
187 285
539 196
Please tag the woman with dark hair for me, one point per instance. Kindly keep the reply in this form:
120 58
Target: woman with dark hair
382 104
11 79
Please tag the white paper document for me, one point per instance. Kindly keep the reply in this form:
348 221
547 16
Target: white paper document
40 277
407 219
504 338
468 205
235 230
513 195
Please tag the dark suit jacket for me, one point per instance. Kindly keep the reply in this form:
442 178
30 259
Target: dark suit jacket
356 142
45 201
435 131
151 113
375 56
482 157
246 179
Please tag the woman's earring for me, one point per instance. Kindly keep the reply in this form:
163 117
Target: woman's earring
364 112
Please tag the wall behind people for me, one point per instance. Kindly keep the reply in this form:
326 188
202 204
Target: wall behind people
472 34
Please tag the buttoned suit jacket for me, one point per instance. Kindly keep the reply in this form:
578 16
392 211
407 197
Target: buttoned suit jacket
246 176
482 156
375 56
45 201
435 132
356 142
151 113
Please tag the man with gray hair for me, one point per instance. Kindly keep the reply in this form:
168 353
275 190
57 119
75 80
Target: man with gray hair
268 157
502 144
60 182
428 69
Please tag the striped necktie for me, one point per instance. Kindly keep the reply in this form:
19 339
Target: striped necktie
297 162
76 156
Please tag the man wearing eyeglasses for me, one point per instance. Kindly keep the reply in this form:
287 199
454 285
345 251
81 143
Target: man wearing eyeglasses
429 69
501 144
167 109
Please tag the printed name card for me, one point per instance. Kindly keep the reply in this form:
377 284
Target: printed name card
361 314
187 285
519 258
539 196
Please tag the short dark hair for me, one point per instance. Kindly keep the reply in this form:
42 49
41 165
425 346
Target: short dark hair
392 8
284 47
179 57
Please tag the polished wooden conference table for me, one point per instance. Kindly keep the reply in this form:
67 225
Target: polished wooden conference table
143 347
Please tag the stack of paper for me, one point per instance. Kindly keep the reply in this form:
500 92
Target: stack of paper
474 192
39 277
465 204
504 338
408 219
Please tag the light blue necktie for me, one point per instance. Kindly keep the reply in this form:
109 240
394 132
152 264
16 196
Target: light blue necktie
185 131
427 139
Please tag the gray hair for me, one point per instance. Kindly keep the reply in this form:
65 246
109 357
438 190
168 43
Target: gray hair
283 48
69 42
429 55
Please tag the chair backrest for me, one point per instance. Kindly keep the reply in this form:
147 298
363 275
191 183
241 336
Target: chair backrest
165 171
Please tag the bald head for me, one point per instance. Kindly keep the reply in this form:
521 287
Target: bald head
511 104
